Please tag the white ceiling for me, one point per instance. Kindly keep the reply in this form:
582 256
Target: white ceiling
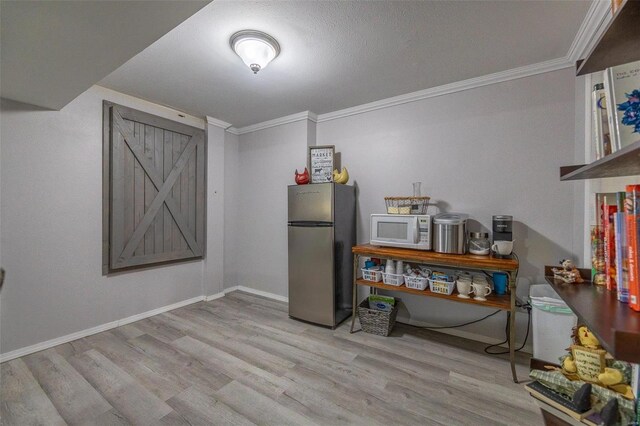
52 51
339 54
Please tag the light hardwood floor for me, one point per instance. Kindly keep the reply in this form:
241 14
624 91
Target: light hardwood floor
240 360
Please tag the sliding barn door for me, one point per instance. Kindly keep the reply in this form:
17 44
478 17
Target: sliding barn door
154 189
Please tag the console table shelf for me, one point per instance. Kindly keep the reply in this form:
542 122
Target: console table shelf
455 261
615 324
493 301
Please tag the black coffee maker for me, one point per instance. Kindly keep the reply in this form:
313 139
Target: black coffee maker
502 233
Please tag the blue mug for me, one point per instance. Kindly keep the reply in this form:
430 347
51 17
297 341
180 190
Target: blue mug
500 282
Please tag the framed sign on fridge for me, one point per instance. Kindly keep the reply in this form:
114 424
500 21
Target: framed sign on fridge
321 161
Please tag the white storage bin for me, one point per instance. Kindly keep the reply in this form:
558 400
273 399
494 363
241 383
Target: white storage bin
552 321
371 275
393 279
416 283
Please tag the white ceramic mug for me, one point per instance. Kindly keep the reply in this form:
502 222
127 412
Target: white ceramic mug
503 247
481 290
464 287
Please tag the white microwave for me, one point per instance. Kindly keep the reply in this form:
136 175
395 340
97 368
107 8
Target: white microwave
400 230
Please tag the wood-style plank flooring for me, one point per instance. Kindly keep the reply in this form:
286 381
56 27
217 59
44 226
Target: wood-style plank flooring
240 360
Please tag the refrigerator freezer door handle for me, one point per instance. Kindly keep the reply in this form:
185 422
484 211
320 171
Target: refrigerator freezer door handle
311 224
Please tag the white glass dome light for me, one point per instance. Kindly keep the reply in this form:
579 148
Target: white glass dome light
255 48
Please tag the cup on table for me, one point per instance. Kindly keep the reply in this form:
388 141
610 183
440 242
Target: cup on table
503 248
464 287
500 281
480 290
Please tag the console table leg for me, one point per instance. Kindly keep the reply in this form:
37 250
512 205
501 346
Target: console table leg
354 303
512 335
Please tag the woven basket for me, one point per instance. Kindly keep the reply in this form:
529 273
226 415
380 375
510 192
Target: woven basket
376 322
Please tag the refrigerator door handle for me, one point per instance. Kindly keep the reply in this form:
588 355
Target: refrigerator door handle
311 224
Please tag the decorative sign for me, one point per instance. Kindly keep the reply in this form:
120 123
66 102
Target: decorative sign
321 163
589 362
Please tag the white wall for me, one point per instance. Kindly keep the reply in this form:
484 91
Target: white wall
51 230
491 150
267 160
213 264
232 174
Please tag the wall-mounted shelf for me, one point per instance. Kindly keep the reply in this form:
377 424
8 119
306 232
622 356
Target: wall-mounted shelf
625 162
619 43
615 324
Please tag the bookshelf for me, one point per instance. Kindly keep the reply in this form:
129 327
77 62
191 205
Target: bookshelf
618 44
625 162
615 324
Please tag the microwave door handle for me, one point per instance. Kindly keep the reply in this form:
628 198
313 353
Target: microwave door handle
415 230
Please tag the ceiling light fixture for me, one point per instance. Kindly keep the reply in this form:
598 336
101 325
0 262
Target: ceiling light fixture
255 48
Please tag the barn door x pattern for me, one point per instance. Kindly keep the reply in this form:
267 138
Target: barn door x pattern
154 189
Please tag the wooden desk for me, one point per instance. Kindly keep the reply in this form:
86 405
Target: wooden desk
458 261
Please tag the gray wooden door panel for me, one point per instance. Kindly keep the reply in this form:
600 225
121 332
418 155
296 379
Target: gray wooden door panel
155 192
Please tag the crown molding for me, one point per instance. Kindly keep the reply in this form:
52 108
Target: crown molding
594 21
597 16
218 123
499 77
305 115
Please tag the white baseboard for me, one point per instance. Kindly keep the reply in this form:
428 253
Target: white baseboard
257 293
94 330
27 350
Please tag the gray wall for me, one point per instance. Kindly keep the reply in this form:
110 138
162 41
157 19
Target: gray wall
266 162
490 150
494 149
232 175
51 230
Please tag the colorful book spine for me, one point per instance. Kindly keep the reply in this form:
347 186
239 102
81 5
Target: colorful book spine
632 209
622 263
601 136
609 246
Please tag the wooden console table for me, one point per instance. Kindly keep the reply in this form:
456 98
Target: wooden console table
459 261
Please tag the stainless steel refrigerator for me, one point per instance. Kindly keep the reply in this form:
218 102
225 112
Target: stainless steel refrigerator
322 230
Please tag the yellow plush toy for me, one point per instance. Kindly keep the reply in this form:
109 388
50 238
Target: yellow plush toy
610 377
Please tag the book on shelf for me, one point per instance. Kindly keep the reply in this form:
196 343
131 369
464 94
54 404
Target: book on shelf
622 92
632 213
556 400
610 210
622 259
600 250
600 122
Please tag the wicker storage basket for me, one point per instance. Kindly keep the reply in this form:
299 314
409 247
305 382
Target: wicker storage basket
406 205
376 322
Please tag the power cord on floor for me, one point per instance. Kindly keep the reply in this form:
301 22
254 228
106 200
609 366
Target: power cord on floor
526 306
453 326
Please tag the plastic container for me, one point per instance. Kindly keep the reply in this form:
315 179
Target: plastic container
393 279
442 287
416 283
552 322
369 275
